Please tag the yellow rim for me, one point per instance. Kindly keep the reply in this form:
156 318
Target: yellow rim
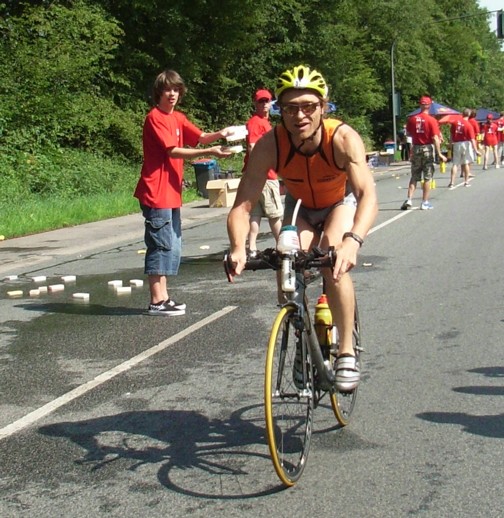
270 435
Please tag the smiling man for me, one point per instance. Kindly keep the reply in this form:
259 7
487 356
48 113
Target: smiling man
323 163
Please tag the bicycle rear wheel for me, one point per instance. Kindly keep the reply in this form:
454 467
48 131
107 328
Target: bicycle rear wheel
343 403
288 397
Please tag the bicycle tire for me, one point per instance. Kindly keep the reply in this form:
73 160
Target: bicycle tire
343 403
288 408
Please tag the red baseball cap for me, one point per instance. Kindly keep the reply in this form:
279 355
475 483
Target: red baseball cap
425 100
490 116
262 94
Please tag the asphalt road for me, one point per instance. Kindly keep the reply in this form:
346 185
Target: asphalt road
106 411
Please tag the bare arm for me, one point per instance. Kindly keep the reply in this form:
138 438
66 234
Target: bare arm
437 145
188 153
350 153
208 138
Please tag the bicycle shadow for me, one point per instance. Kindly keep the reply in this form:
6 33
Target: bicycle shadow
199 457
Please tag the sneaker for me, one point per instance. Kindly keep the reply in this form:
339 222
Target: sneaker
174 304
406 205
168 308
347 373
451 186
252 254
467 184
426 205
497 166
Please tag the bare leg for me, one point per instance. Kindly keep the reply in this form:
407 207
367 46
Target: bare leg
465 170
275 226
255 222
411 189
340 295
158 288
453 174
426 190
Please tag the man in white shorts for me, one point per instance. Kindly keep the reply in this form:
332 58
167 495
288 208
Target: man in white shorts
270 203
464 147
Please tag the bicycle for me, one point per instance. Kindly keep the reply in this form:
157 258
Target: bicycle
299 370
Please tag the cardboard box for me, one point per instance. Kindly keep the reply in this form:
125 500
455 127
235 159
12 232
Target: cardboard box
222 193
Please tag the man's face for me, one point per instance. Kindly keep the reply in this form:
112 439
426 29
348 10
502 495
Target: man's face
262 107
301 112
169 98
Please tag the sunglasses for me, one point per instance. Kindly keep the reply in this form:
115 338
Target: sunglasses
293 109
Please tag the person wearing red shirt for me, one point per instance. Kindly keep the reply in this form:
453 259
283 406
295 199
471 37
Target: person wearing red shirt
464 146
270 203
424 130
489 130
500 134
166 132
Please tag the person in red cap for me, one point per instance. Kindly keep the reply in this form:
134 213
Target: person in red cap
270 203
424 130
489 130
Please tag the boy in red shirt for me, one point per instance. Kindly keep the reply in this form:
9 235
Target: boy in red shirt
166 132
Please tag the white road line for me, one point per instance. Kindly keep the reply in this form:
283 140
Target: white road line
34 416
391 220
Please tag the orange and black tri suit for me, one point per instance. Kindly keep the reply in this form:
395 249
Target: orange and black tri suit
314 179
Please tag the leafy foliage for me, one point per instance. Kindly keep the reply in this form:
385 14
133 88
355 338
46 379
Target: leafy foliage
77 74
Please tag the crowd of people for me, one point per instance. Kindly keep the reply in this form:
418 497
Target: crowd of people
322 163
469 140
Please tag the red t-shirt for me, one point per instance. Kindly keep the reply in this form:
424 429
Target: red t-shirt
500 129
422 127
160 183
475 125
489 133
461 130
257 126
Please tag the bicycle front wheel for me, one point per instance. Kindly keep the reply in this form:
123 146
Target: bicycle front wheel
343 403
288 397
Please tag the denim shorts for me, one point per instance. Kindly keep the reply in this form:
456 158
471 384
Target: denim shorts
163 239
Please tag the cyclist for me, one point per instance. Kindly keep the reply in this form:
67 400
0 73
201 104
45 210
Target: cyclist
315 157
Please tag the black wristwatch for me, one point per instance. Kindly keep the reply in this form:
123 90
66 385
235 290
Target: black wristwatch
354 236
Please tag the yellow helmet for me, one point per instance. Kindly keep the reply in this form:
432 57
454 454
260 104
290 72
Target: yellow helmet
301 77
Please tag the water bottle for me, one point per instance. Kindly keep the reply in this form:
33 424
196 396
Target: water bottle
288 242
323 321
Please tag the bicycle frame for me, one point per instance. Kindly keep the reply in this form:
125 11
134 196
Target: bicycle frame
300 302
301 262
